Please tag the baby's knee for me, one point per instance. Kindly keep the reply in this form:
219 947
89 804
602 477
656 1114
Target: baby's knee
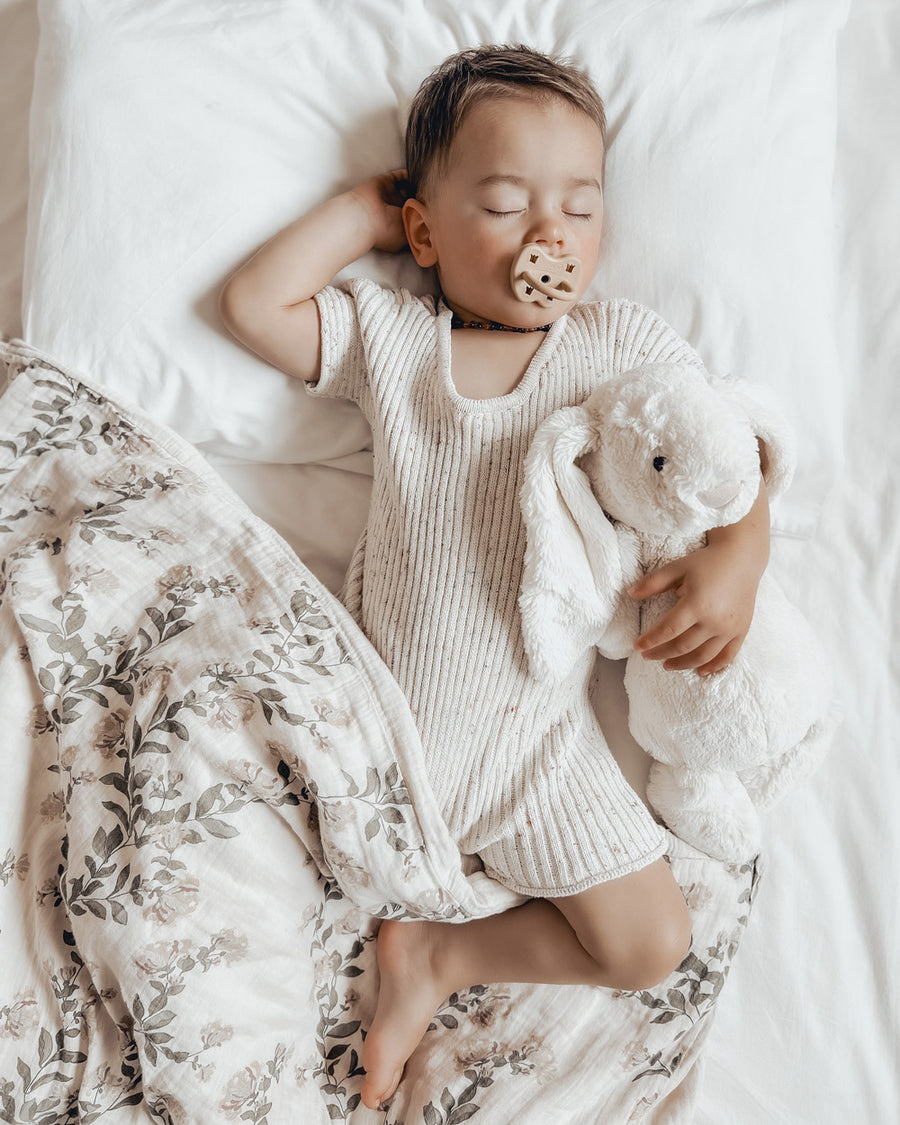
643 955
651 961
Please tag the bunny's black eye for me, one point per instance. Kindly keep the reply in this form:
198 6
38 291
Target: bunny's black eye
658 463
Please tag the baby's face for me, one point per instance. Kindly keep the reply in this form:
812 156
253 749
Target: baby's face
521 170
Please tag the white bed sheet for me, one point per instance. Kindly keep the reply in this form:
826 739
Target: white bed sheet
808 1026
816 1000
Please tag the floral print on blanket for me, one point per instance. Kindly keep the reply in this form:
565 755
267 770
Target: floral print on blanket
211 799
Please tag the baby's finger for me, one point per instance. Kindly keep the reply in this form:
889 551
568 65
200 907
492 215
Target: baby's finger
670 626
685 642
397 187
702 656
393 187
657 581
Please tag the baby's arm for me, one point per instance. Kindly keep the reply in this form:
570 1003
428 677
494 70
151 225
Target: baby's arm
268 302
716 589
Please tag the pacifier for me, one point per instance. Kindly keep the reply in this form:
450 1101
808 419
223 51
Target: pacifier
538 277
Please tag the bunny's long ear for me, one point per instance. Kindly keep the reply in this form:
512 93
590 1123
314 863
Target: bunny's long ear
770 428
573 568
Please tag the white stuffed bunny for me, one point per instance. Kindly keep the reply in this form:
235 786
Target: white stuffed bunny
630 480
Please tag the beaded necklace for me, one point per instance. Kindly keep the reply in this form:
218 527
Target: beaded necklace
493 325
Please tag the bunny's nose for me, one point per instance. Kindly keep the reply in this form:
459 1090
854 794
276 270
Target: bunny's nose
720 494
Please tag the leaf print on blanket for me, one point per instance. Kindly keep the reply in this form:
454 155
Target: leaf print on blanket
11 866
147 798
381 802
152 811
341 950
165 965
56 426
480 1069
100 520
248 1097
480 1003
301 643
39 1092
78 675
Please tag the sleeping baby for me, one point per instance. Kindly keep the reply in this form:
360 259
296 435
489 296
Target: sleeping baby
503 196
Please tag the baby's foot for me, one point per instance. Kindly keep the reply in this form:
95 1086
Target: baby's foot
409 994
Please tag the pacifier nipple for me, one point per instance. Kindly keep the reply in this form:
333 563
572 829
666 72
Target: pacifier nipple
538 277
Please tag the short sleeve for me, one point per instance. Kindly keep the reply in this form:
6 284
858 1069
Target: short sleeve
342 372
368 333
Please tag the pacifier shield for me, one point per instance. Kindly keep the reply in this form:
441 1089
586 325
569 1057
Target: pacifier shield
538 277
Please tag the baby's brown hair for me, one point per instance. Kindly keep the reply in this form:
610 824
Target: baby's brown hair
453 88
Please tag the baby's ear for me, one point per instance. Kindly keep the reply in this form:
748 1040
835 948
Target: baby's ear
418 232
573 567
778 454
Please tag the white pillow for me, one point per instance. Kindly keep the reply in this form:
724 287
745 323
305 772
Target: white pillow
170 139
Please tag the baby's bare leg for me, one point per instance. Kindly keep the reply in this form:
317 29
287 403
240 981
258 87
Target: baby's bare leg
628 933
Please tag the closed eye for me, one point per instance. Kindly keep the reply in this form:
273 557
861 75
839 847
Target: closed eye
502 214
578 215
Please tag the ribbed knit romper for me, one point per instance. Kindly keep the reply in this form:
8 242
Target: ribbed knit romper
520 769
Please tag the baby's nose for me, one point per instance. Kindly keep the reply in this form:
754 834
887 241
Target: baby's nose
546 231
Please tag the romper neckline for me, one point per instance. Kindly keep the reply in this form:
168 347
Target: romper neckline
520 392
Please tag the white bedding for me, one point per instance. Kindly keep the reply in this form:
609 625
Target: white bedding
751 200
207 134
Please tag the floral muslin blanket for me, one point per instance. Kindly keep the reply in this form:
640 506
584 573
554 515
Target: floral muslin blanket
213 792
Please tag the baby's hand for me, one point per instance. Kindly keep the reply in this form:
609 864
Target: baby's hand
716 589
383 198
706 627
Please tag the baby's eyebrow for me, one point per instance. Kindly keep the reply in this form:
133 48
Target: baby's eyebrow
520 181
586 181
500 178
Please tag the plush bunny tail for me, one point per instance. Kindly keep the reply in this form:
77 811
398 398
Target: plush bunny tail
768 782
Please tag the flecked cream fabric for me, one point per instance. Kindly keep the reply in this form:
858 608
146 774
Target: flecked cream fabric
520 768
